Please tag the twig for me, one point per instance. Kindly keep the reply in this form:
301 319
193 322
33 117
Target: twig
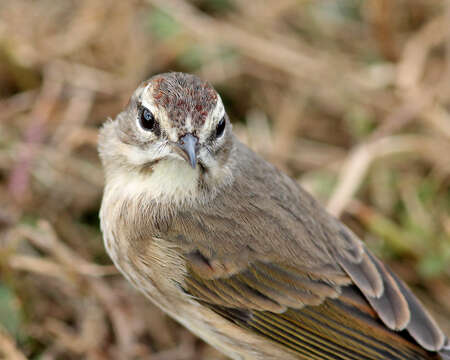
412 64
50 268
360 159
8 347
46 101
16 104
90 78
75 116
119 319
47 240
291 61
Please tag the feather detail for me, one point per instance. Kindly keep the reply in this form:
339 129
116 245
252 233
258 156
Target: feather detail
421 326
319 321
391 306
333 330
364 274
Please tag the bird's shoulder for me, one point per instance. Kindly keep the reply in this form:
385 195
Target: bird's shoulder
264 215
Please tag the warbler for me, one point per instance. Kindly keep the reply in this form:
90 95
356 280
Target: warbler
237 251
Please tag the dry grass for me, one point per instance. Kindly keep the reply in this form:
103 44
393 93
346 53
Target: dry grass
352 98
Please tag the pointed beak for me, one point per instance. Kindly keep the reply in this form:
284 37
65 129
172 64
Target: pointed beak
189 144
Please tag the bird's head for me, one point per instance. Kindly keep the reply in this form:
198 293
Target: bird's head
174 130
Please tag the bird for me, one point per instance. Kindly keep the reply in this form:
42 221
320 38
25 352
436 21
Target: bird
234 249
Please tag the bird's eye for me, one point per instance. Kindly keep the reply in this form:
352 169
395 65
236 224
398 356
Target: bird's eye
147 120
220 127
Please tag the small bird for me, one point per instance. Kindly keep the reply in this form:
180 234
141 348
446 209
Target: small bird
237 251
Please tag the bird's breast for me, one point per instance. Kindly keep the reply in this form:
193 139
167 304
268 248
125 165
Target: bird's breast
130 226
169 180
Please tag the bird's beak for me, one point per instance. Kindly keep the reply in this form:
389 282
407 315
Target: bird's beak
189 144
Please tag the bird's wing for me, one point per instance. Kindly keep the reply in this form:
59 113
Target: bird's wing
316 318
268 257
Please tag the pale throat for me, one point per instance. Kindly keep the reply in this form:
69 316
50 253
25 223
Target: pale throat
169 180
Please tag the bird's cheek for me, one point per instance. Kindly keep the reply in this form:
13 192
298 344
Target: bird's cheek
134 155
154 152
205 158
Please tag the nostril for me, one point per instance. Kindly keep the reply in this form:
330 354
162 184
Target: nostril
189 138
189 144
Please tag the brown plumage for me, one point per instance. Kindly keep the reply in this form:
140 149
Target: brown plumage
235 250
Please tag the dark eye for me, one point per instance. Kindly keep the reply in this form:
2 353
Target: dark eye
147 120
220 127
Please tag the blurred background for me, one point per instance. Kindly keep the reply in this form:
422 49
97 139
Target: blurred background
350 97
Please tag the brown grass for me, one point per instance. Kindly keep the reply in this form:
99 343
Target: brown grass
352 98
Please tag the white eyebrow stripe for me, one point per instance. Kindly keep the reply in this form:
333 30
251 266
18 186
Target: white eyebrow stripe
146 100
145 96
214 116
219 109
146 88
